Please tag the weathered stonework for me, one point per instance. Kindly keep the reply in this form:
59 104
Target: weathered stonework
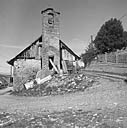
33 61
50 38
24 70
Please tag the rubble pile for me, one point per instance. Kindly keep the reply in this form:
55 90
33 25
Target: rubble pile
65 119
59 85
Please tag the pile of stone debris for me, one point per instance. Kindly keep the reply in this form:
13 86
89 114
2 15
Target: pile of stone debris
59 85
65 119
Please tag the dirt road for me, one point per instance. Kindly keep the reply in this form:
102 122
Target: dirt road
106 93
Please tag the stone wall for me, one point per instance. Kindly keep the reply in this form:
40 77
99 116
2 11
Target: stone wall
50 38
24 70
50 51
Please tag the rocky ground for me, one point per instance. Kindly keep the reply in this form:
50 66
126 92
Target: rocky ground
103 104
59 85
107 118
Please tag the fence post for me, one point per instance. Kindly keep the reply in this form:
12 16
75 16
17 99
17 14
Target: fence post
116 57
106 57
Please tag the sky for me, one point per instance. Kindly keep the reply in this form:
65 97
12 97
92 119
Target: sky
20 23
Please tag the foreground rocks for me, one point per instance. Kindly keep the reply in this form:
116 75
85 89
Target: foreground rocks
66 119
59 85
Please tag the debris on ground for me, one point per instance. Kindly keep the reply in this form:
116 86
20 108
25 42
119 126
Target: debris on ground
65 119
37 81
59 85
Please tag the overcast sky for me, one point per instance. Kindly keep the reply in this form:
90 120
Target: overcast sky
20 22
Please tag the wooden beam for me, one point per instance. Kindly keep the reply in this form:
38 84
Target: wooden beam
22 57
64 46
41 62
54 66
11 62
60 49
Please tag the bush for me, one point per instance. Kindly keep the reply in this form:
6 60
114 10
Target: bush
89 55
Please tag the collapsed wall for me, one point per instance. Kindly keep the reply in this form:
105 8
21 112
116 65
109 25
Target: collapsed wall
24 70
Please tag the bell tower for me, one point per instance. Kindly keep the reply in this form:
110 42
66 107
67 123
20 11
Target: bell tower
50 37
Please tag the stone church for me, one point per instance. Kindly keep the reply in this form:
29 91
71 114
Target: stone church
47 47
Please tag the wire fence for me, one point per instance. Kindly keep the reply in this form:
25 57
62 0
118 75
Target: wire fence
113 57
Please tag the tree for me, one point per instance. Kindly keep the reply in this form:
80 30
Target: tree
124 39
89 55
110 36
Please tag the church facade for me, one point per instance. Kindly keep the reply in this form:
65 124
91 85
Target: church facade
36 57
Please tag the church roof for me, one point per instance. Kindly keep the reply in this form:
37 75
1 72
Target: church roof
11 61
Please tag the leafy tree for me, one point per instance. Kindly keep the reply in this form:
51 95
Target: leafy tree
89 55
110 36
125 35
124 39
